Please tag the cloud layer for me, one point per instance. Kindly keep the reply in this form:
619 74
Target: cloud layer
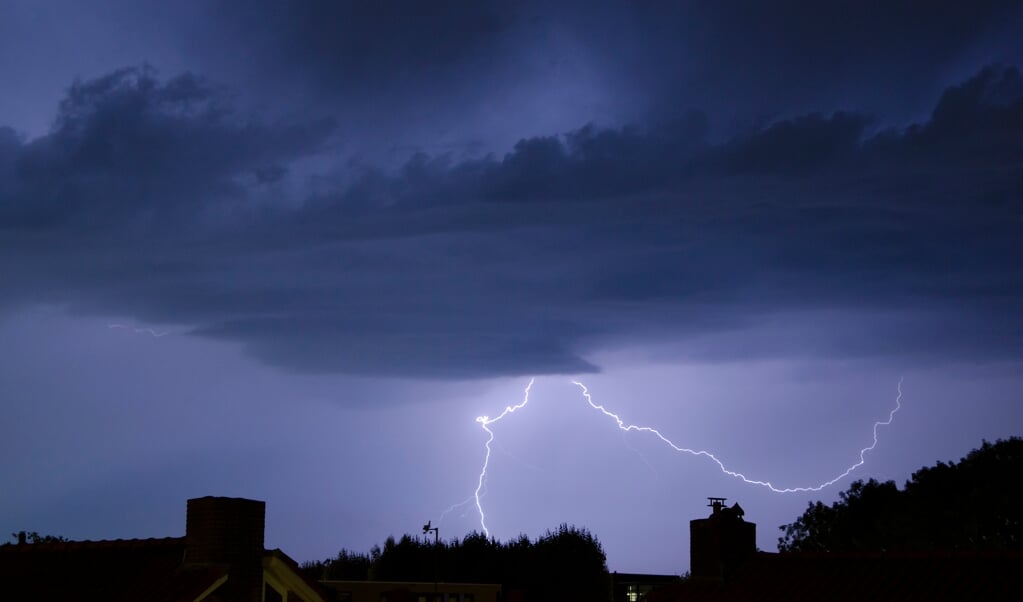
159 199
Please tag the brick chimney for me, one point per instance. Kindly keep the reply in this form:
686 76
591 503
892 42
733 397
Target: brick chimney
228 531
721 543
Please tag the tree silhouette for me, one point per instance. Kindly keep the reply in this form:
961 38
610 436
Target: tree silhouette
346 566
567 563
975 504
34 537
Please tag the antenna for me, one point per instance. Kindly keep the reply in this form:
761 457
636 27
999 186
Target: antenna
436 531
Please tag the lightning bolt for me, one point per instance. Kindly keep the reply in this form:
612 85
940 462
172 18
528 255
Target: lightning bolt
154 333
486 421
739 475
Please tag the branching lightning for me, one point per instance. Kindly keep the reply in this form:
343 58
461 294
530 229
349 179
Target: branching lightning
739 475
154 333
486 421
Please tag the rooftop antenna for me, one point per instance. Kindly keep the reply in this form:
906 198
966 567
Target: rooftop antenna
436 551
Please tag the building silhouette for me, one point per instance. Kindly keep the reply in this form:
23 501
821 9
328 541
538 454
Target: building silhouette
221 558
726 567
721 543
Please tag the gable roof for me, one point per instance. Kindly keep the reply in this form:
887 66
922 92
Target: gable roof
283 567
127 570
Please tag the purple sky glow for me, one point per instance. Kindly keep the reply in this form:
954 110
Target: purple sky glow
291 253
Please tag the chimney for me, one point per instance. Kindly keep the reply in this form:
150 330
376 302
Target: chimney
22 538
721 543
228 531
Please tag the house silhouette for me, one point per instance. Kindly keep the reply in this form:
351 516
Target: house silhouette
221 558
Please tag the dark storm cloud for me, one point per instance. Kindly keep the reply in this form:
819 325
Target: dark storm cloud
588 163
797 48
760 60
157 200
126 146
741 63
401 74
367 48
800 144
475 77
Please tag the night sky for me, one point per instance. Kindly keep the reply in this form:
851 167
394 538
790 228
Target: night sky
291 250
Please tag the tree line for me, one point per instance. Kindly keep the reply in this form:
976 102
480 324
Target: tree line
975 504
566 563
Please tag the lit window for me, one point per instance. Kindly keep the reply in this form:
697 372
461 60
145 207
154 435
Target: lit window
632 593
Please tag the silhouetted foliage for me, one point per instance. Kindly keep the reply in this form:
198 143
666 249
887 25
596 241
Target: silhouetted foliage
568 563
33 537
975 504
346 566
